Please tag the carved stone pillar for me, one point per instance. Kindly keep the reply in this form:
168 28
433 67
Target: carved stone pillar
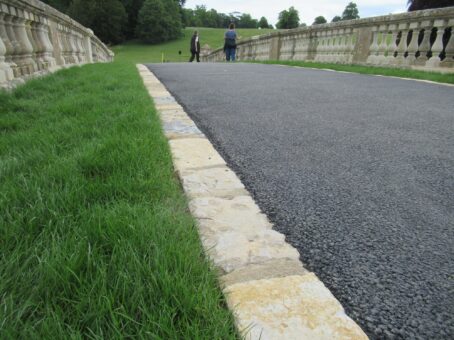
373 50
383 47
392 47
6 50
402 47
449 49
437 47
413 45
424 47
42 29
6 73
13 56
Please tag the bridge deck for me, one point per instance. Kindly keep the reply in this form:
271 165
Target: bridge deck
357 171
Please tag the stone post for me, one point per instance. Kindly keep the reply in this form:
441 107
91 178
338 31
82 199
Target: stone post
437 47
373 50
88 48
449 49
413 45
424 47
275 47
402 47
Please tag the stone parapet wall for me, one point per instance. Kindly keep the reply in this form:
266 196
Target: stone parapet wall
420 40
36 39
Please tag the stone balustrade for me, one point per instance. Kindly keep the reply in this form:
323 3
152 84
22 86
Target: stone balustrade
36 39
420 40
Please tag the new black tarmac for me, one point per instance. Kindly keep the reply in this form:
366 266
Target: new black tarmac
357 171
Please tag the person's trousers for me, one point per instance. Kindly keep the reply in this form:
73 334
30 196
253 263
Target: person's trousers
230 53
193 55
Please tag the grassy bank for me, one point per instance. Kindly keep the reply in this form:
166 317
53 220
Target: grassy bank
137 52
96 240
384 71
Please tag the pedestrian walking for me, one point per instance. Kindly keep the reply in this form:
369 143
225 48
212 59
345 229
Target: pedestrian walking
195 47
230 43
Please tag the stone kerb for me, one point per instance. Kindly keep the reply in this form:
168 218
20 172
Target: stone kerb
399 40
36 39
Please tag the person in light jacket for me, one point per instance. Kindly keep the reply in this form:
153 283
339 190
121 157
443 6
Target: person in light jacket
195 47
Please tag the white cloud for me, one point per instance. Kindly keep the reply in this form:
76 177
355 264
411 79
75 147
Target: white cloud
308 9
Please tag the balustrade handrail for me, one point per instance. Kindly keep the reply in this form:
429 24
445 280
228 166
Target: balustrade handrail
362 41
35 39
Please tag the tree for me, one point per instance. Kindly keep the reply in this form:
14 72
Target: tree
263 23
350 12
159 21
319 20
132 8
336 19
246 21
106 18
61 5
416 5
288 19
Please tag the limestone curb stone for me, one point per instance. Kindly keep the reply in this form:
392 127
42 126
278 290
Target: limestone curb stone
215 182
267 288
194 153
304 309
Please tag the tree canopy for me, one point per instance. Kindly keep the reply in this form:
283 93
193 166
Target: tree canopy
288 19
350 12
319 20
159 21
416 5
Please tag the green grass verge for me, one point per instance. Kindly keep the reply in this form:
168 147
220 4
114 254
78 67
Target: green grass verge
385 71
95 237
137 52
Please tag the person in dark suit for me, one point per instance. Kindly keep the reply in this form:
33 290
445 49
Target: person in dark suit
195 47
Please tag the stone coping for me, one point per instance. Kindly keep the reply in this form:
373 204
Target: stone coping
268 290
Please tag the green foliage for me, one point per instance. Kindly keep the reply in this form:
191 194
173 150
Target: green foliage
107 18
246 21
263 23
336 19
61 5
416 5
319 20
132 8
159 21
202 17
350 12
288 19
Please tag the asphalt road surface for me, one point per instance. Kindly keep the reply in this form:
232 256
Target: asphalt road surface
357 171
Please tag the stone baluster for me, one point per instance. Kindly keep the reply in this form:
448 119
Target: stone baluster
413 45
383 47
32 37
424 47
437 46
392 47
72 45
6 51
25 61
373 49
341 48
449 49
321 41
48 49
6 73
349 45
402 47
11 38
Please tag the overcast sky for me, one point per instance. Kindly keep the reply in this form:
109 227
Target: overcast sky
307 9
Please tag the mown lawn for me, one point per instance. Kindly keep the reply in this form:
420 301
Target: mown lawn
95 237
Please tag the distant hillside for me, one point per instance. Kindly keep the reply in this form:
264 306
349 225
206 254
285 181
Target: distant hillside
140 53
